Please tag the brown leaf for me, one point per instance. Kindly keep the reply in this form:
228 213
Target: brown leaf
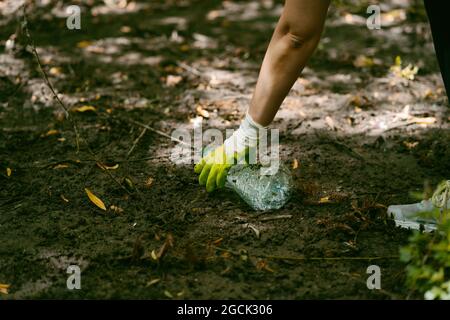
4 288
94 199
202 112
295 164
149 182
50 133
172 80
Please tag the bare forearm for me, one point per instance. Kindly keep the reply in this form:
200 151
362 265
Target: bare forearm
293 42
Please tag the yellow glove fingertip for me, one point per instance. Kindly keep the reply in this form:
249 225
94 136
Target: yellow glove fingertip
203 178
198 167
222 176
211 183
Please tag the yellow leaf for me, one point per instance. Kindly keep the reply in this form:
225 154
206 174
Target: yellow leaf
94 199
295 164
152 282
61 166
50 133
324 200
168 294
149 182
8 172
184 48
153 255
4 288
83 44
64 198
84 109
55 71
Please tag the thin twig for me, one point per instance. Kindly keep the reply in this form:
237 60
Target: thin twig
66 110
136 142
274 257
156 131
47 80
283 216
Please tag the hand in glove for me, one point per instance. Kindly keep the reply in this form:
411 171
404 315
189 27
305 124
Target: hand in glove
213 168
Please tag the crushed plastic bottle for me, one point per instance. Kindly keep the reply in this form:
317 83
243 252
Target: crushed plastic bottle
411 216
261 192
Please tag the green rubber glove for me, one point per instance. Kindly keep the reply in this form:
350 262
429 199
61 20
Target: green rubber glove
213 168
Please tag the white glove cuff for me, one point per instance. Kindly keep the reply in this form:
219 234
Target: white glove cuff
246 136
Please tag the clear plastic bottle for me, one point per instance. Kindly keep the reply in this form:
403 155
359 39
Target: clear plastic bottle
261 192
411 215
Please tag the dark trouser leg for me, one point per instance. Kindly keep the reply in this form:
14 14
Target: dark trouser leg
440 28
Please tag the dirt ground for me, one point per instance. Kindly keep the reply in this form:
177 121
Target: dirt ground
357 136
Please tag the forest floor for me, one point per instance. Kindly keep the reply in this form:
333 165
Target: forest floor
357 135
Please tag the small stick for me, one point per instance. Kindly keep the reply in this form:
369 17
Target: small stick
157 131
136 142
272 257
47 80
283 216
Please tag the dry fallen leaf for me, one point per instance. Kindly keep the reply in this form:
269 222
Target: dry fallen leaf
149 182
152 282
423 120
410 145
94 199
50 133
153 255
61 166
125 29
324 200
107 167
83 44
168 294
202 112
295 164
55 71
172 80
363 62
84 109
263 265
330 122
64 198
8 172
4 288
184 48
